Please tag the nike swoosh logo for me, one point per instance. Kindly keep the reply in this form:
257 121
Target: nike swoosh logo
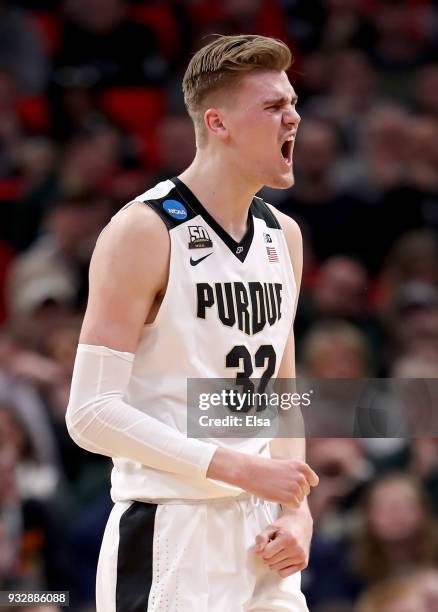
194 262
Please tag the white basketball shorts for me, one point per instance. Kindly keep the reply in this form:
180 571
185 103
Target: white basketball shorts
184 556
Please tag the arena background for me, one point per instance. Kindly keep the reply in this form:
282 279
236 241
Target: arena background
91 114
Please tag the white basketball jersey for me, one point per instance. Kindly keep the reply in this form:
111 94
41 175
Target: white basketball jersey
227 311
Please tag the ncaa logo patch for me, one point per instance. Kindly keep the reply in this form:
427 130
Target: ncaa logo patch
175 209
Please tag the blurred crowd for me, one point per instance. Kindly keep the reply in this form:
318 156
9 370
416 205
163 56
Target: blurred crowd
91 114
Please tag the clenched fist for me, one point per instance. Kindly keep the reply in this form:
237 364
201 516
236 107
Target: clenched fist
284 545
279 480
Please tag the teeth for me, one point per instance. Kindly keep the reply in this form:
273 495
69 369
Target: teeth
290 138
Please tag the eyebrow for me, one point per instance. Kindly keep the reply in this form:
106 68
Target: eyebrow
281 100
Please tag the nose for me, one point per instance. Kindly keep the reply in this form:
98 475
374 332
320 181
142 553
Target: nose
291 117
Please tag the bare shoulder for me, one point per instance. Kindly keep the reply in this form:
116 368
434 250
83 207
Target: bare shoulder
133 228
128 271
135 235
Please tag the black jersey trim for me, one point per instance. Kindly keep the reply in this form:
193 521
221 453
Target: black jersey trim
157 204
239 249
135 557
262 211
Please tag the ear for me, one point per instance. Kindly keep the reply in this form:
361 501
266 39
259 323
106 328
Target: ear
214 122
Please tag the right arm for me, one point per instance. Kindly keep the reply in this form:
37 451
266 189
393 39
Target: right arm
128 274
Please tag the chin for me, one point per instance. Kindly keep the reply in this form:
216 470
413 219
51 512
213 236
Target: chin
282 182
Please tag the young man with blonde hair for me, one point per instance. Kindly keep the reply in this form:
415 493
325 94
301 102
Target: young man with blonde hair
198 278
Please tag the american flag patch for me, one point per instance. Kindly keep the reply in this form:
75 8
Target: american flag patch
272 254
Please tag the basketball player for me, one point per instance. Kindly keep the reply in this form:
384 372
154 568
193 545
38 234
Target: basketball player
198 278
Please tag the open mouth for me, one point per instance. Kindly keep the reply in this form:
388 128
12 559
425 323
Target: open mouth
286 149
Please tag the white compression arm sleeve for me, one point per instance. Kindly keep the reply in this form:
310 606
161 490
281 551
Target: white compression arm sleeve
99 420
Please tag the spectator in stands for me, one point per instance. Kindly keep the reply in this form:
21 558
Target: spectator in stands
91 159
412 258
22 404
313 79
74 108
49 278
32 547
386 146
345 25
405 38
413 320
399 533
340 291
350 95
37 160
413 203
335 349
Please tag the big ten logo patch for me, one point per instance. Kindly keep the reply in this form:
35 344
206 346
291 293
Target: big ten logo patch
199 238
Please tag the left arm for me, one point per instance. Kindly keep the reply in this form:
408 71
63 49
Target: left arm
285 544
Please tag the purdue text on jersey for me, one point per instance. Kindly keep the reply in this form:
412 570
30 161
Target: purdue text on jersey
250 306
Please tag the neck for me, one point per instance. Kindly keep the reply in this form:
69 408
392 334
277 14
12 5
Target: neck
222 190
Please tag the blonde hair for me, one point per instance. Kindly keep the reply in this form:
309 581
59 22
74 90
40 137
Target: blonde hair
220 64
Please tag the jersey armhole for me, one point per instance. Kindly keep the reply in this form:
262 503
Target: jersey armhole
160 213
273 217
262 211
